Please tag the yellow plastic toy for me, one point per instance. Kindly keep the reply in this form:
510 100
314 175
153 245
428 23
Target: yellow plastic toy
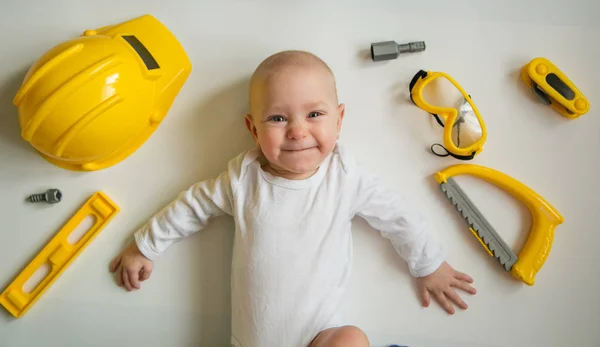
58 254
90 102
545 219
441 96
553 88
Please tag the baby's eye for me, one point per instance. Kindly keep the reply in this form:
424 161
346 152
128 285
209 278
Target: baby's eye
314 114
277 119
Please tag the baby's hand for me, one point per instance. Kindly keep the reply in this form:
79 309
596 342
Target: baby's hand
441 285
131 267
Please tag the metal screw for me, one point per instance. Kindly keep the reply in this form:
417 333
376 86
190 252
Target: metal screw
51 196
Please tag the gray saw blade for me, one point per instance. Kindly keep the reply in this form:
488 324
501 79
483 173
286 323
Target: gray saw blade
477 221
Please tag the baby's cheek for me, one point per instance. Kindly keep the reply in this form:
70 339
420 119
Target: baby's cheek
326 134
270 143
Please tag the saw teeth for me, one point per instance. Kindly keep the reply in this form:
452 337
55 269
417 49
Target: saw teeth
472 223
495 244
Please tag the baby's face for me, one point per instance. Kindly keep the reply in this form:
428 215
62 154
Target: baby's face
296 120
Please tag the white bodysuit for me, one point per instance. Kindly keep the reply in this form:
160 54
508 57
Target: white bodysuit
292 251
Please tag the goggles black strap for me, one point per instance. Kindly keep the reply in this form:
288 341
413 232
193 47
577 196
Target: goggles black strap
418 76
448 153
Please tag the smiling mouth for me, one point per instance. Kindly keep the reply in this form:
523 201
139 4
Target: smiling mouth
298 150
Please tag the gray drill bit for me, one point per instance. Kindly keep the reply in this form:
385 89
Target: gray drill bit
388 50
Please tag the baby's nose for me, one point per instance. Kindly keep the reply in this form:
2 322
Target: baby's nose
296 132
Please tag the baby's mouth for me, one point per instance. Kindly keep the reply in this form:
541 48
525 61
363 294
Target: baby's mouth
298 149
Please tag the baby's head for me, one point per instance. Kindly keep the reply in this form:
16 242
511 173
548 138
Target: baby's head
294 116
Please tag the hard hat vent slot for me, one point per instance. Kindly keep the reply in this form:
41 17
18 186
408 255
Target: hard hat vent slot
142 51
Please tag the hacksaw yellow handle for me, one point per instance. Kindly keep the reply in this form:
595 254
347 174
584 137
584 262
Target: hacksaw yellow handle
544 217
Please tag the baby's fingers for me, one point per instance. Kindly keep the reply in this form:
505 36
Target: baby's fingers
145 273
134 278
126 280
443 301
425 298
451 294
119 276
115 264
463 277
464 286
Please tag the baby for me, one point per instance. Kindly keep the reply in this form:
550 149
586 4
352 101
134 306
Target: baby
292 199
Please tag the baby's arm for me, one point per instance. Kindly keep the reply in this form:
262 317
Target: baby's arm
190 212
397 221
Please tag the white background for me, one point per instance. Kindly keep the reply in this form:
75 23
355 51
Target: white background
482 44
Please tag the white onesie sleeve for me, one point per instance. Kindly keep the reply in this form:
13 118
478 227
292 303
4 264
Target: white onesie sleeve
190 212
388 212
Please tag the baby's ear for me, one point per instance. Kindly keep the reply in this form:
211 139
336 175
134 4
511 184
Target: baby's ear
341 109
251 127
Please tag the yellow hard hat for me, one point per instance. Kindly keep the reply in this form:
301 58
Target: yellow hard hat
89 103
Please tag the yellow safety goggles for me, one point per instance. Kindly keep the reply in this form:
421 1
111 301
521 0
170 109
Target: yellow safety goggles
441 96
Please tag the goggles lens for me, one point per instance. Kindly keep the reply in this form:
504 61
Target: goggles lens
466 129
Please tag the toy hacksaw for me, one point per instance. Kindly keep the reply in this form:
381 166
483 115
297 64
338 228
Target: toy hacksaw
58 254
545 218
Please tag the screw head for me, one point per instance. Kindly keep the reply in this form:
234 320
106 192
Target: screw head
53 196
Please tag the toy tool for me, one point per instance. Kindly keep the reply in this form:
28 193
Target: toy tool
553 88
453 108
58 254
51 196
541 236
389 50
92 101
